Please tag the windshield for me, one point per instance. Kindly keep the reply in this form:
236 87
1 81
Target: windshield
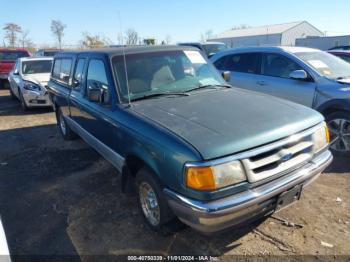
12 55
213 48
163 72
36 67
326 64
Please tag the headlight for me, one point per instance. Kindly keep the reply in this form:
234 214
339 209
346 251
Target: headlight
215 177
31 86
320 138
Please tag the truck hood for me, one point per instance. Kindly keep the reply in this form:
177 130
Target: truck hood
38 78
6 66
224 122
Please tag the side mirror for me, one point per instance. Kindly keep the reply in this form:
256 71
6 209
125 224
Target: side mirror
76 83
15 72
298 75
94 94
226 76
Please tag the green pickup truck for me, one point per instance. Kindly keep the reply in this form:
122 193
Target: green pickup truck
196 149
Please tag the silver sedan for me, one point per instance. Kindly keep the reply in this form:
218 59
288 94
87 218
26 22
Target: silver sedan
28 81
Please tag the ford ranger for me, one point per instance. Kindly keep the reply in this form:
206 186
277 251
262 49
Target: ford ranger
197 149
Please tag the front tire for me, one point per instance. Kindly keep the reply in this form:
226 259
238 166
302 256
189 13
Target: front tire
13 96
339 127
66 132
152 203
22 101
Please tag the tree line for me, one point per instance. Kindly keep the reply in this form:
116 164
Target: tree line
15 36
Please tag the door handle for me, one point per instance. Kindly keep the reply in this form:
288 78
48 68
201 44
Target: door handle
261 83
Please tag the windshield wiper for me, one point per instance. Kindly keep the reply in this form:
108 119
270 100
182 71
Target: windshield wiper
207 86
160 94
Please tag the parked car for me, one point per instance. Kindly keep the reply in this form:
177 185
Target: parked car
212 155
343 47
209 48
8 56
28 82
47 52
343 54
307 76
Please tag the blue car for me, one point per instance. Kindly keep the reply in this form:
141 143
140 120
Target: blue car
306 76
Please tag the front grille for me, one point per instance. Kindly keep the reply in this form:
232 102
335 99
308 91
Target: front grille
278 160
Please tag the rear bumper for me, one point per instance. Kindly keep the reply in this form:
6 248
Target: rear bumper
217 215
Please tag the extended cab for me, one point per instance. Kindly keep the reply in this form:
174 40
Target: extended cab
212 155
8 57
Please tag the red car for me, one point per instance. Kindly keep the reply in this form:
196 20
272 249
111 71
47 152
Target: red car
8 57
343 54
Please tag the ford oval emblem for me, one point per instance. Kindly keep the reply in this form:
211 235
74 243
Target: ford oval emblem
287 157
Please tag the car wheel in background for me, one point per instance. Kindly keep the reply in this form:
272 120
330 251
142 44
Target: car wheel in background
339 127
13 96
63 127
23 102
152 203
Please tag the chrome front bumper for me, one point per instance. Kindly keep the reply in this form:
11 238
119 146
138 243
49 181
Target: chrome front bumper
217 215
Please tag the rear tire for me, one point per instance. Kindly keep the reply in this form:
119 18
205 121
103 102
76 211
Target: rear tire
66 132
152 203
339 127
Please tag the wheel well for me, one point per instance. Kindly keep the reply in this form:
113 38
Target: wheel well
331 110
131 166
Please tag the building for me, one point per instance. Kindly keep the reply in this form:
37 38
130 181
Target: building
324 43
281 34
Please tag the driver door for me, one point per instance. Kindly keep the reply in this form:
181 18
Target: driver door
275 80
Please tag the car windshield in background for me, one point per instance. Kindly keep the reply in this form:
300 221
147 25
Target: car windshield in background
163 72
12 55
214 48
36 67
326 64
50 53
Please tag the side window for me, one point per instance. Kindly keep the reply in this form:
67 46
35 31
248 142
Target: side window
66 65
78 74
56 69
220 64
278 66
62 69
245 63
97 78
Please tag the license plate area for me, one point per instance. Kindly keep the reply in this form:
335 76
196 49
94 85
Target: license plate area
289 197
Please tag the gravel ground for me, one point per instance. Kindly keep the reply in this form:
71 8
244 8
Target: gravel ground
62 198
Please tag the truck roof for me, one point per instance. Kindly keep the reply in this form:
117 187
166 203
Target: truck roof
128 50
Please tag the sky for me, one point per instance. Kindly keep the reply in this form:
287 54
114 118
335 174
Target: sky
180 19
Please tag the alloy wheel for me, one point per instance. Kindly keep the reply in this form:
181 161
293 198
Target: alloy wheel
340 134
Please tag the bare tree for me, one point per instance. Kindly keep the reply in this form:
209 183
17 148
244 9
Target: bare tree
11 30
25 40
93 41
206 35
131 37
57 29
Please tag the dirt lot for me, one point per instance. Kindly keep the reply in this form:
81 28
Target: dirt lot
60 197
